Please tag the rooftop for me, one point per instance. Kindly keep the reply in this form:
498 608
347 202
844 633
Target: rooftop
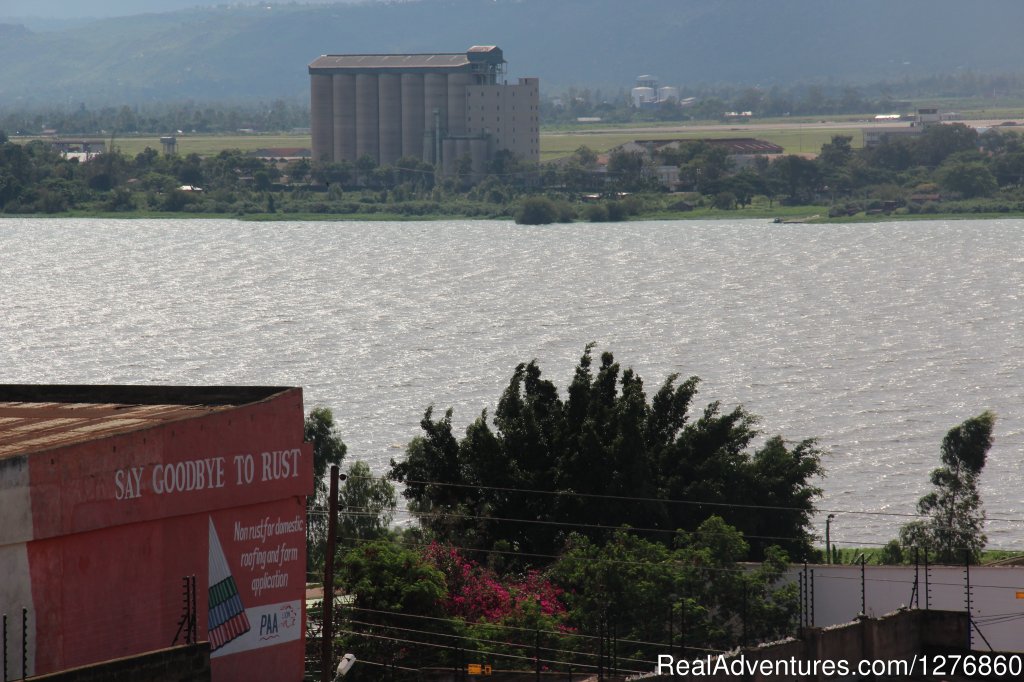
425 61
39 417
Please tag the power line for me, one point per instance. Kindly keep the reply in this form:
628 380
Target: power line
698 503
749 536
479 651
519 628
517 645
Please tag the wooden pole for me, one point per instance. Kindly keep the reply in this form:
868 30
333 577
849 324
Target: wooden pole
327 652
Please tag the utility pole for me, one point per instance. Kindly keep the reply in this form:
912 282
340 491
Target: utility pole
828 539
327 653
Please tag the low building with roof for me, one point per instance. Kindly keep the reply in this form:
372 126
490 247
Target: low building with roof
135 517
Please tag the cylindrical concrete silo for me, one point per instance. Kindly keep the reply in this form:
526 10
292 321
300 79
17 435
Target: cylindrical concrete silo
478 153
344 117
390 116
321 117
435 98
412 114
457 83
367 120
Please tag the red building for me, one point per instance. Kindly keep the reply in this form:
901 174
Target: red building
111 495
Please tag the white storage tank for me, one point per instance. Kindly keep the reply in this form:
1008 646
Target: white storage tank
667 92
642 95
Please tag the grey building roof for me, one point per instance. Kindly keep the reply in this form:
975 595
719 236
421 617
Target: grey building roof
404 62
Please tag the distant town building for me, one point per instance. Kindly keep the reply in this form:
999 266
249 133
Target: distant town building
647 94
924 118
83 150
435 107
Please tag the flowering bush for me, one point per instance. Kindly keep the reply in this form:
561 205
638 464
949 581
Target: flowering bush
477 594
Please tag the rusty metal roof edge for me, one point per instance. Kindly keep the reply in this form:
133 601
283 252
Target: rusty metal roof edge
140 394
275 392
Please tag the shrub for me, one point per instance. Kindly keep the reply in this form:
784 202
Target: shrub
595 213
616 211
537 211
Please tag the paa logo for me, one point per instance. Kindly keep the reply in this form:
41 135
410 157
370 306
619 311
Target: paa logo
271 624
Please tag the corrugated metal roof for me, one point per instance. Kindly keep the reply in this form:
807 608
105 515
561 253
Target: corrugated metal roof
38 417
390 61
26 427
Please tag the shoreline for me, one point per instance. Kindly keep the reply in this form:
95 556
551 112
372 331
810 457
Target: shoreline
806 215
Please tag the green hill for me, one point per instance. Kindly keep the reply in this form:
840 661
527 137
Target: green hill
261 52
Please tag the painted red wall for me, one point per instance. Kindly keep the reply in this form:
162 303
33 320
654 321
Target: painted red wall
112 543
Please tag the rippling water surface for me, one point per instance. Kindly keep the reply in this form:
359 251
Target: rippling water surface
874 338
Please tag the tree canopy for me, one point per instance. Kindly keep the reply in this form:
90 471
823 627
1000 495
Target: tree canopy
954 525
602 458
328 449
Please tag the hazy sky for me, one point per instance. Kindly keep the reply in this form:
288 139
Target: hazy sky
74 9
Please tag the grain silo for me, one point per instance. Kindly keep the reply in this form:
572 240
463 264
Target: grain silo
388 106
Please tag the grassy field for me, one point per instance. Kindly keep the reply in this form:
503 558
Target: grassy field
553 145
793 140
211 145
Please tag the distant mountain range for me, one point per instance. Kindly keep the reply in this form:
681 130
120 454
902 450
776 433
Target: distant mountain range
261 52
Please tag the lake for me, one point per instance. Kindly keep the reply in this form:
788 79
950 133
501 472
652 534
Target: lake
875 338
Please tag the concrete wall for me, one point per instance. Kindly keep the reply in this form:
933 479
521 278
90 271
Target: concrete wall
177 664
895 637
509 114
837 596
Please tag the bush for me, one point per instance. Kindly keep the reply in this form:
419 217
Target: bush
616 211
566 212
537 211
595 213
725 201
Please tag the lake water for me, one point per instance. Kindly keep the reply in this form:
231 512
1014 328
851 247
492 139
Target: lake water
875 338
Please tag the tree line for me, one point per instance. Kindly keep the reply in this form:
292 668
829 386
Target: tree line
597 530
948 168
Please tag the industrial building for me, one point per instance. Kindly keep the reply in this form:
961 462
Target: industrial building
435 107
135 517
646 94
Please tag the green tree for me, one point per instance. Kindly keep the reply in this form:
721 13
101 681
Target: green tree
940 141
798 176
328 449
631 581
385 578
367 504
629 170
606 445
537 211
954 523
969 179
